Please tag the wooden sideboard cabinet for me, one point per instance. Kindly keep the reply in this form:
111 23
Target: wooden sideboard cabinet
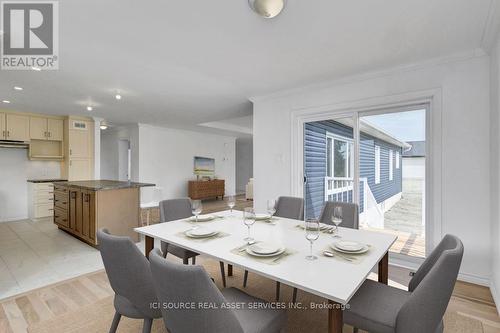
206 189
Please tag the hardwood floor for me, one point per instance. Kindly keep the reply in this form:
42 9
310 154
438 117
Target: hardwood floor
18 312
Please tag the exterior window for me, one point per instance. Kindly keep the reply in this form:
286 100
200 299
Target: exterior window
377 164
339 157
391 165
397 159
329 143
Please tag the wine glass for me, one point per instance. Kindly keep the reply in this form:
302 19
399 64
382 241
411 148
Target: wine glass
312 234
196 208
231 202
337 219
271 207
249 220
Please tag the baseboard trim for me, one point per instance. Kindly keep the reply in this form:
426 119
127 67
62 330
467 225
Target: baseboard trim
12 219
413 264
496 296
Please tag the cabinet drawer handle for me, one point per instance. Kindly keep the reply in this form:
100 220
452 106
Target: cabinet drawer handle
73 195
51 208
56 216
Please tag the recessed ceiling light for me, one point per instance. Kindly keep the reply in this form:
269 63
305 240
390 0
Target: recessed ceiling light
89 108
36 68
18 88
6 101
118 96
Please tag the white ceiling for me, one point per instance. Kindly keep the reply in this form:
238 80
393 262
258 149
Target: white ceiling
180 63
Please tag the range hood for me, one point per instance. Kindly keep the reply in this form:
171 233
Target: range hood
14 144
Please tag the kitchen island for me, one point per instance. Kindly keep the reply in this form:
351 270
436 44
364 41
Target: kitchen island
83 207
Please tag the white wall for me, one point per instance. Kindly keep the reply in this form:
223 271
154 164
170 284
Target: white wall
464 87
15 170
244 163
494 175
166 158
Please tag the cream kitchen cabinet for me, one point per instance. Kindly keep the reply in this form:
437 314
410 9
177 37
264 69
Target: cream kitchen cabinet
40 200
79 149
46 129
3 132
15 127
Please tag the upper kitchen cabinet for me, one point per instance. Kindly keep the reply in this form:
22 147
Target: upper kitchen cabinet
17 127
2 126
55 128
42 128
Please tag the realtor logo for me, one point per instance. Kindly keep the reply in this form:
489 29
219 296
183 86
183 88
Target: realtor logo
30 35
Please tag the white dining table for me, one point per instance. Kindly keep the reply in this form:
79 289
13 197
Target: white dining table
333 279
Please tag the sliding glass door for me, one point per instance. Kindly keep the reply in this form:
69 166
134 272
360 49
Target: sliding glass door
375 159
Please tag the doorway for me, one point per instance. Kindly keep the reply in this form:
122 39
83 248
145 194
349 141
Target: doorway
124 159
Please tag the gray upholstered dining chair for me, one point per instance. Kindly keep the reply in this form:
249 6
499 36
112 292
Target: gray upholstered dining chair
378 308
350 219
290 208
191 285
130 279
350 214
176 209
171 210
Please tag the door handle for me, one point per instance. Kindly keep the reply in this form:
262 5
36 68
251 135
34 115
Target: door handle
8 133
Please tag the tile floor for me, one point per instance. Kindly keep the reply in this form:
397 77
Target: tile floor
36 253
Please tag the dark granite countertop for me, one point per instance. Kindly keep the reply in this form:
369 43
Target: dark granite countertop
101 185
46 180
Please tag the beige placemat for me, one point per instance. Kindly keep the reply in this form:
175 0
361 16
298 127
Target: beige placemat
325 228
241 251
221 234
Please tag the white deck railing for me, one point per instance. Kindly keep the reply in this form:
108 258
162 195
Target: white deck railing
338 188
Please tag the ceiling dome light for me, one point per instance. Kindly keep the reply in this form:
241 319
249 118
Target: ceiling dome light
6 101
267 8
103 127
118 96
89 108
18 88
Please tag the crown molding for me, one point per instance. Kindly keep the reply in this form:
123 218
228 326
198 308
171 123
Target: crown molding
457 57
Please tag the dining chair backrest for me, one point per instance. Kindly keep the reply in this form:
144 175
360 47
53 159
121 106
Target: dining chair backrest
175 209
290 208
350 214
128 271
432 289
178 284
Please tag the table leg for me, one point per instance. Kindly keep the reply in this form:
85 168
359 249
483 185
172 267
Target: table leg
335 317
150 244
383 269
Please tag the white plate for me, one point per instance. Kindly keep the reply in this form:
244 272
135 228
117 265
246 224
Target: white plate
262 217
280 251
347 245
264 248
203 233
203 218
363 250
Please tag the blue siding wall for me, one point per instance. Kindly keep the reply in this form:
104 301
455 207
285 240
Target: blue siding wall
315 164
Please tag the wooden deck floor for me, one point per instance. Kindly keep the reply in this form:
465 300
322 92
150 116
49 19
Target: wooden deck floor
407 243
